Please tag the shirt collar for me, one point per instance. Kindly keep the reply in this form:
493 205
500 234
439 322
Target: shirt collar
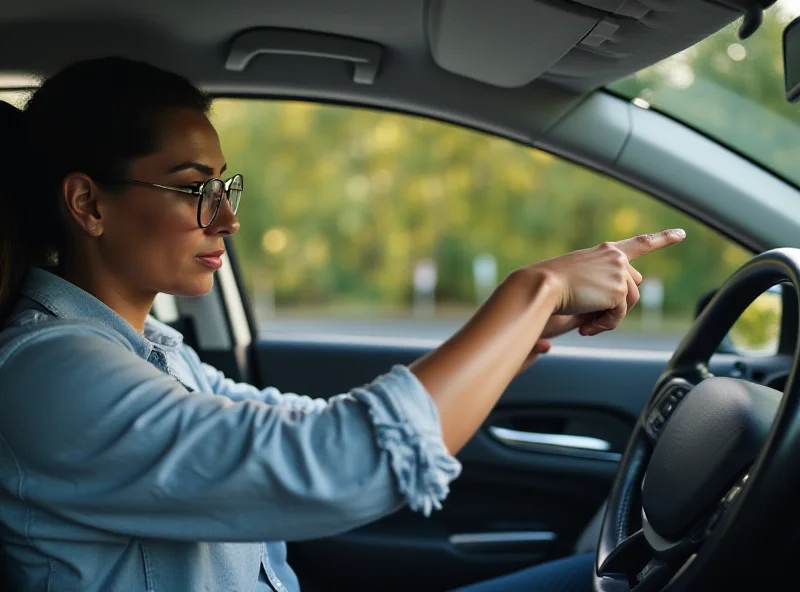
67 301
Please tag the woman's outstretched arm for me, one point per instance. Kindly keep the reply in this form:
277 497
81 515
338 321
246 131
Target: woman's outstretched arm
467 374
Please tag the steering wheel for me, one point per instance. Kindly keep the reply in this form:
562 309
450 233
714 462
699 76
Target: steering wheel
708 484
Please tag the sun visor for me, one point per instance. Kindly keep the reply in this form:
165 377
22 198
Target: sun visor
582 44
509 43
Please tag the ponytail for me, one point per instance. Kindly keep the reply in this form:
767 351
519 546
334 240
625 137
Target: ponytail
15 254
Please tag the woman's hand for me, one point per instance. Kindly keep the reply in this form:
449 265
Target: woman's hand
613 283
600 285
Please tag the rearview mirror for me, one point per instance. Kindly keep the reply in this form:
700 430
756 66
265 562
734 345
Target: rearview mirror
791 60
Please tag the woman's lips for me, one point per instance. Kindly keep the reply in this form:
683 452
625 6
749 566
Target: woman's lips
212 260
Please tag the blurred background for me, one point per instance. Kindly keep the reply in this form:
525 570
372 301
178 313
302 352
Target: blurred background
360 222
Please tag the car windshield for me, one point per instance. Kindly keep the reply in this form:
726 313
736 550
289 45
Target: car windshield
731 90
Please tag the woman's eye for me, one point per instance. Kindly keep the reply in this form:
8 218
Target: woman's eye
194 187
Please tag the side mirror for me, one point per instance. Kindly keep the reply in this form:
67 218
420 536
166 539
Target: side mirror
758 329
791 60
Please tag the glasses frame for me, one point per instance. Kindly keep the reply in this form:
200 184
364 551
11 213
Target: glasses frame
196 191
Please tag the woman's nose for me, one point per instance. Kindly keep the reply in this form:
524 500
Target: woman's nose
226 221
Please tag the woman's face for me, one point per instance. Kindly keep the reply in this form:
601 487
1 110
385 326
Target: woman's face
151 236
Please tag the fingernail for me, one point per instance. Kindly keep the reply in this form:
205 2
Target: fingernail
679 232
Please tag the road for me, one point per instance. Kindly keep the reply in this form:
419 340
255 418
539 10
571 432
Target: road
441 329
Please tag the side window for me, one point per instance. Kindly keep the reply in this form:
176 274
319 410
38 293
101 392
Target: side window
362 222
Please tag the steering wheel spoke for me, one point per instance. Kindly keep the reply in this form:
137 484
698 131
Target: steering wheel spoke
635 562
628 557
670 558
657 574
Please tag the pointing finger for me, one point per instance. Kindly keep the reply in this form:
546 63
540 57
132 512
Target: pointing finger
647 243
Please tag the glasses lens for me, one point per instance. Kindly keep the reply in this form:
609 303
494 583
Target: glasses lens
235 186
210 201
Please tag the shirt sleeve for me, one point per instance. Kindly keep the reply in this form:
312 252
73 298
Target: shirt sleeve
241 391
97 435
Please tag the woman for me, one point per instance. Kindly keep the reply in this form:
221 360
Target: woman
126 463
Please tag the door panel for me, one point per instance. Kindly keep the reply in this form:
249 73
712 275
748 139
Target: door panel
516 503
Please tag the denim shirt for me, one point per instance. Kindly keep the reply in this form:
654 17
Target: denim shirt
127 464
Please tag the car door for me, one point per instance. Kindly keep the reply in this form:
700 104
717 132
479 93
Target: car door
370 237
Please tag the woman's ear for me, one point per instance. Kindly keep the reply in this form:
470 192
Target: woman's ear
82 202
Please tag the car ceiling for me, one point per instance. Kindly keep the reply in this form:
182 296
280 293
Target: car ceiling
512 64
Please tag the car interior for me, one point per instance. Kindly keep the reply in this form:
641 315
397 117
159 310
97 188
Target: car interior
572 459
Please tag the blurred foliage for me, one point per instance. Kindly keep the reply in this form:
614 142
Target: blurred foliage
341 203
758 329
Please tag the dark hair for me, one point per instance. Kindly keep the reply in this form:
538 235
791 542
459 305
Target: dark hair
92 117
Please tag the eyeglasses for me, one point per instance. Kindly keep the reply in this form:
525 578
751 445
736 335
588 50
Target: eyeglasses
209 195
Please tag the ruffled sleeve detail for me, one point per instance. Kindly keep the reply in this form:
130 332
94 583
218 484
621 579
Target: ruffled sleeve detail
408 428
